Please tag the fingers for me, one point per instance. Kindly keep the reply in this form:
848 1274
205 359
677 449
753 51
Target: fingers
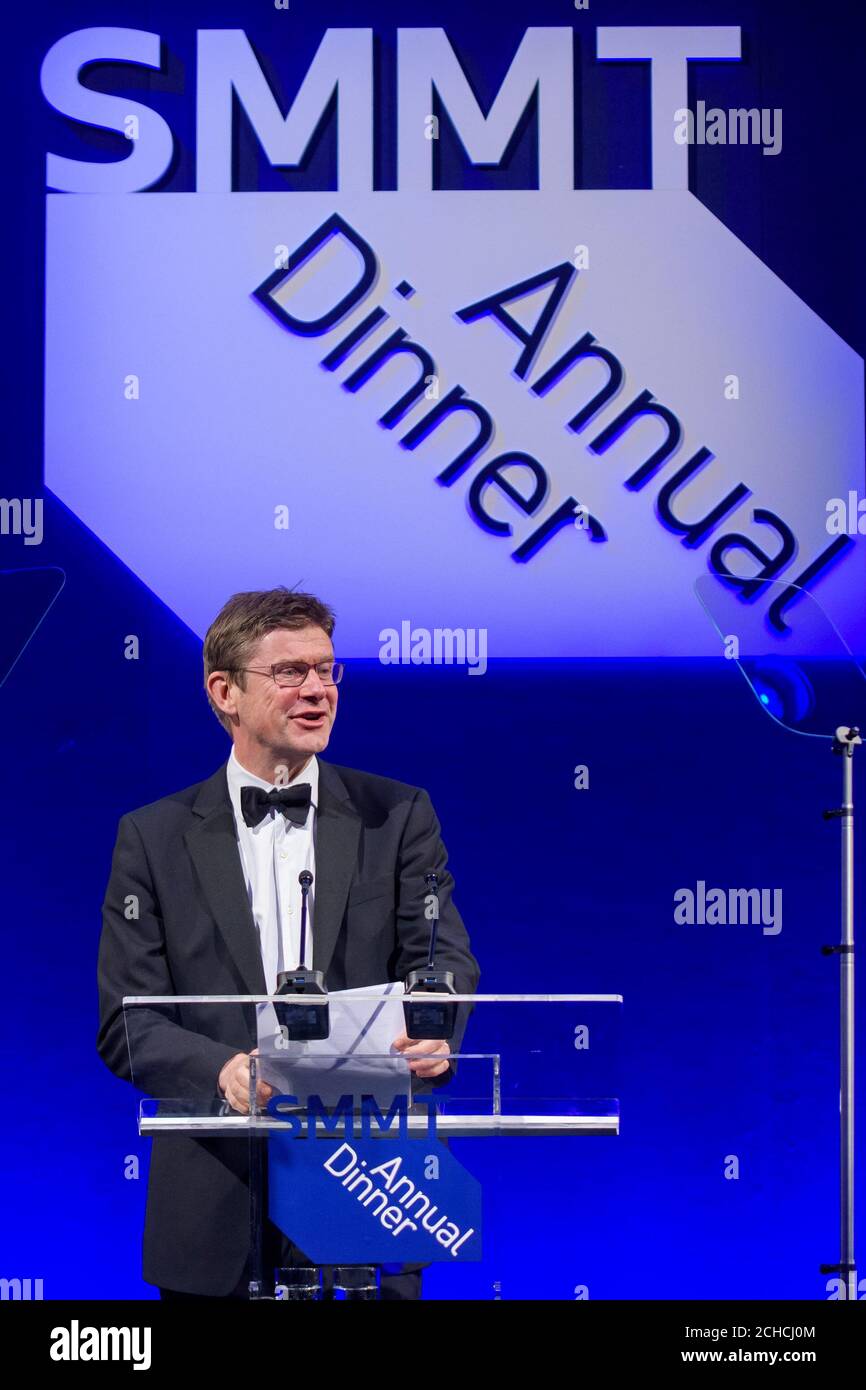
423 1069
419 1047
238 1097
235 1086
237 1091
422 1049
427 1049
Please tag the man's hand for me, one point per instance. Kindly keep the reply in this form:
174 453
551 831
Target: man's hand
423 1047
234 1082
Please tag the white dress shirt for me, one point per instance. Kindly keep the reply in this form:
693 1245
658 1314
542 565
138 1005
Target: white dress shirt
273 854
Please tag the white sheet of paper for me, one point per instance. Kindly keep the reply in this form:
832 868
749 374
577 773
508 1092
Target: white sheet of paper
358 1051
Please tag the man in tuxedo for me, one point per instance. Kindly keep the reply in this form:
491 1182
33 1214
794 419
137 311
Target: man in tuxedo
204 898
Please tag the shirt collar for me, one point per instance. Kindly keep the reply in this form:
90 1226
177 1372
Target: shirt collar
238 777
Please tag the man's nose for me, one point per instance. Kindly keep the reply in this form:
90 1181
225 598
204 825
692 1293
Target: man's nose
312 685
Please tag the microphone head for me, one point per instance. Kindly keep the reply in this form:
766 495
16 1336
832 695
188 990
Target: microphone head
305 878
432 880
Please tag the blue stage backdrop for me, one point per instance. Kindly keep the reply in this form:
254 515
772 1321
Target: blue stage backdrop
526 378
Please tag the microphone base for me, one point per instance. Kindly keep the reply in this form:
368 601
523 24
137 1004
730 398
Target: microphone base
424 1020
300 1022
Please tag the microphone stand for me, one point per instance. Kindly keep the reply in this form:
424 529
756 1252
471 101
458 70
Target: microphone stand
844 743
425 1020
808 694
300 1022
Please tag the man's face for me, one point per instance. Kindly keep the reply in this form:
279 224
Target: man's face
286 723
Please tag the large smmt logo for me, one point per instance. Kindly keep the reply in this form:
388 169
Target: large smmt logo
623 395
228 73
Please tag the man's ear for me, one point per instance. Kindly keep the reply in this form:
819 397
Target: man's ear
220 679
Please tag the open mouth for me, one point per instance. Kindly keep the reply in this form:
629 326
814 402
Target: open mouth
313 720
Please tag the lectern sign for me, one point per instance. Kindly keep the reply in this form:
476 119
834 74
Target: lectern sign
373 1200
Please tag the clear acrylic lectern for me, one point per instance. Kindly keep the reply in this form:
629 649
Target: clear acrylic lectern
362 1162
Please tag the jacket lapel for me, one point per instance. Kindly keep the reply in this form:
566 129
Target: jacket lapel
212 845
338 830
213 848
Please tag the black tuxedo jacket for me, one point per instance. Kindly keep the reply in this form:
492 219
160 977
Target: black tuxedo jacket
177 865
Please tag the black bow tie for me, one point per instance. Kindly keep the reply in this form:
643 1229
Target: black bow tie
294 802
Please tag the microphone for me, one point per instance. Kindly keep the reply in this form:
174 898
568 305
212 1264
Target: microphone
305 879
299 1022
424 1020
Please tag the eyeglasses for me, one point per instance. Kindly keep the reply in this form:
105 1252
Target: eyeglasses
296 672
